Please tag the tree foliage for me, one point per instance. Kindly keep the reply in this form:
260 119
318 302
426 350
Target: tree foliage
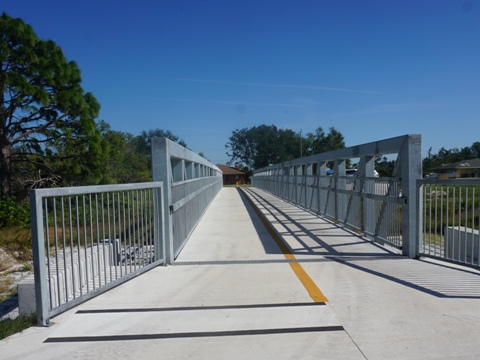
14 213
384 166
144 147
319 142
262 145
123 163
47 126
128 157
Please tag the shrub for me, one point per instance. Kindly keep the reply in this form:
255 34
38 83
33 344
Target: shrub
13 213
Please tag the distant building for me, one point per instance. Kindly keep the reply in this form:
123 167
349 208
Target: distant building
460 169
233 176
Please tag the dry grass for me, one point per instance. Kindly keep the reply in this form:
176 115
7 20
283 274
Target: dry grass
16 238
8 287
5 285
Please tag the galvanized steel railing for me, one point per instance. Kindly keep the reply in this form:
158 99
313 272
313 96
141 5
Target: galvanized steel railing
449 227
88 239
375 207
192 182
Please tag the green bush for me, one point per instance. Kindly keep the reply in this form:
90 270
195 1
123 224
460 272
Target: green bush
13 213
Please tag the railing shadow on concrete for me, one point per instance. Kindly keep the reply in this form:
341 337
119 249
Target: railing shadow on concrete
310 241
439 280
269 246
380 209
435 279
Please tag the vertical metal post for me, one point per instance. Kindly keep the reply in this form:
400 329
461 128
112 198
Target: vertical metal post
297 171
308 176
162 171
368 186
38 247
321 194
411 171
340 183
419 210
159 230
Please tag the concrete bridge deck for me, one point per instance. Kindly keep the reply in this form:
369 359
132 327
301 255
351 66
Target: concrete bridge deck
296 288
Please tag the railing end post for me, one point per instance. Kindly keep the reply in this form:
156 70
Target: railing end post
38 249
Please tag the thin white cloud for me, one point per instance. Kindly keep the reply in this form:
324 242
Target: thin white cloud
238 102
307 101
404 107
394 108
287 86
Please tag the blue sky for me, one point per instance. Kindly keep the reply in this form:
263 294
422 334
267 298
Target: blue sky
203 68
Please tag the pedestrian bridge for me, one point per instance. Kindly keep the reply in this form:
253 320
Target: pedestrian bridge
259 277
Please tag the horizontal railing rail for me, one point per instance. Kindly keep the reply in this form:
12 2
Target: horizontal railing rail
88 239
449 220
376 207
192 182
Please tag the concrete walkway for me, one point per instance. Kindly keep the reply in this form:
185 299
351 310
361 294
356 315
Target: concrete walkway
237 292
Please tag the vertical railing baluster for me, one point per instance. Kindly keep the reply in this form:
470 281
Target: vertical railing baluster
140 228
72 272
64 246
478 232
442 233
142 205
459 212
92 237
101 239
79 250
465 237
85 242
472 211
125 236
47 250
120 237
134 226
447 218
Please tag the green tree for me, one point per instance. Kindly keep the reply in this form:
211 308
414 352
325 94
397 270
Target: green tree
123 163
144 147
384 166
262 145
46 118
319 142
475 150
429 162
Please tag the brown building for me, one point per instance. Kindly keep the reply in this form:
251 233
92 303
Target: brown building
233 176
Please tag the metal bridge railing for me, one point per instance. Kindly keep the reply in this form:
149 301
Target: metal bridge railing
382 209
449 220
191 184
88 239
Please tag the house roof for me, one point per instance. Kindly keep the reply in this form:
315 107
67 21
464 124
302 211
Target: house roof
227 170
464 164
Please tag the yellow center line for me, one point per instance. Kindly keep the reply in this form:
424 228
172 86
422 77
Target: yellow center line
312 288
